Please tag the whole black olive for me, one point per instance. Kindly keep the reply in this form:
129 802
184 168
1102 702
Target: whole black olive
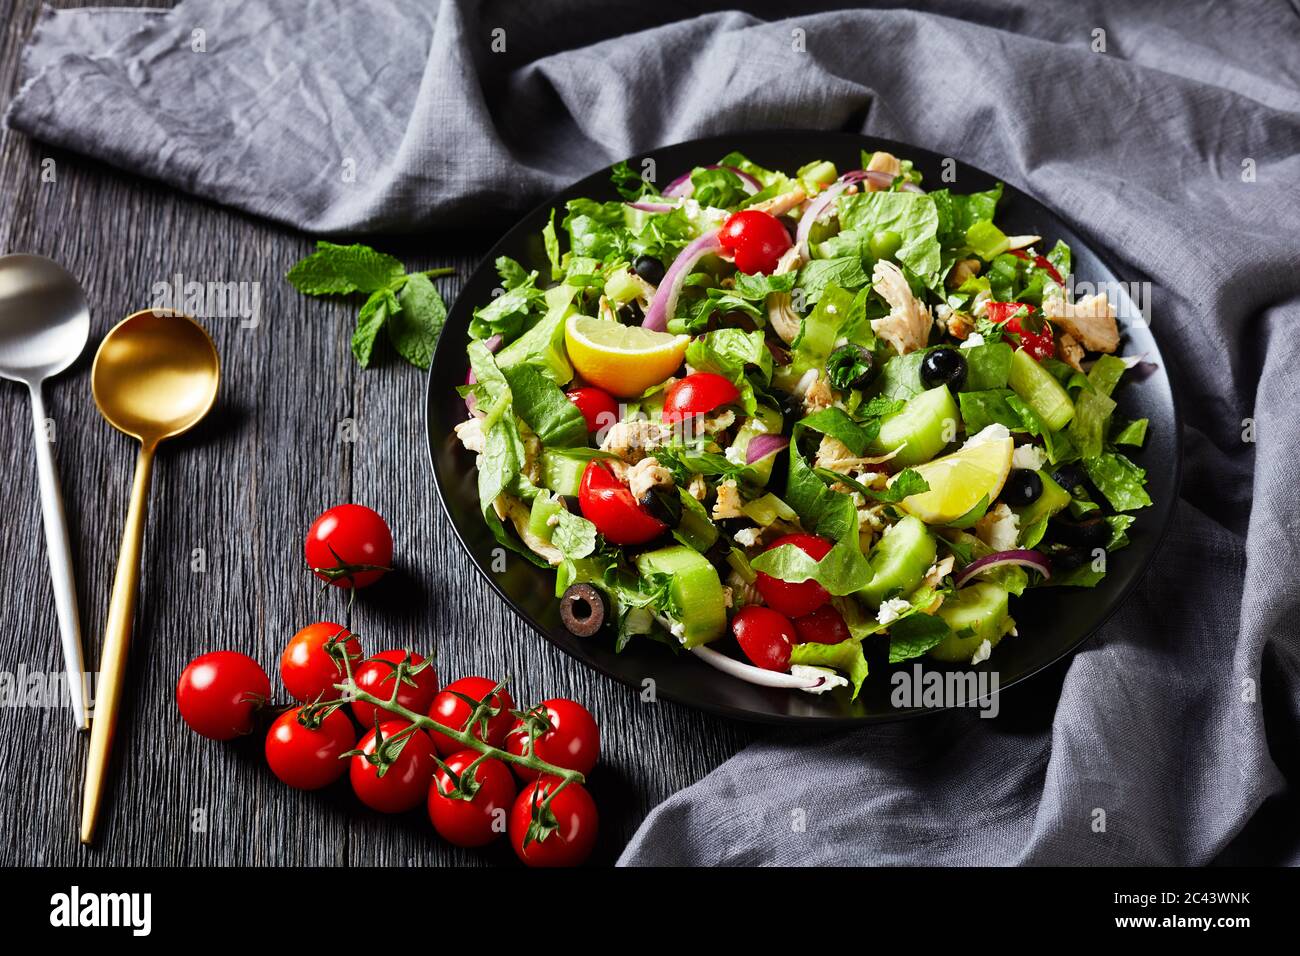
649 268
943 366
1092 533
1066 559
664 505
851 366
790 406
583 610
1023 486
1069 476
631 314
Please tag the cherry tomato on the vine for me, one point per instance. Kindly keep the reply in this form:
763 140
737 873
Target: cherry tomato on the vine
755 239
823 626
576 824
450 711
794 599
608 504
697 394
308 758
1014 317
376 675
218 693
307 668
765 636
405 783
598 407
349 546
480 820
572 742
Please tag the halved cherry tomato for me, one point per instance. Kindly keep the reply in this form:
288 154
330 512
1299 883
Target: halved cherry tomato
308 669
573 742
697 394
375 676
405 782
755 239
1042 263
450 711
765 636
795 599
608 504
598 407
485 816
219 692
308 758
349 546
1038 344
823 626
574 836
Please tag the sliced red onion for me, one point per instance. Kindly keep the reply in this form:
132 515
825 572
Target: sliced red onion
664 303
814 212
911 187
762 445
652 206
1022 557
754 675
491 343
681 186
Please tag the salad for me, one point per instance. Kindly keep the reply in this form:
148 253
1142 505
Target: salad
772 417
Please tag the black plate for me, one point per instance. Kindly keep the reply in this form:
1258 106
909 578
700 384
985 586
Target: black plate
1052 622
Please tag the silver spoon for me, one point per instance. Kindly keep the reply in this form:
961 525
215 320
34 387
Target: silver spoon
44 324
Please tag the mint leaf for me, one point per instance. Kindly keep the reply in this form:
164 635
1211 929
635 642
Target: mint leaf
338 270
913 635
370 320
414 328
574 535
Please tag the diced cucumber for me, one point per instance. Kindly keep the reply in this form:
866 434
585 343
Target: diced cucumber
695 529
922 428
1040 391
562 473
899 560
1053 499
975 614
544 507
696 589
764 420
621 288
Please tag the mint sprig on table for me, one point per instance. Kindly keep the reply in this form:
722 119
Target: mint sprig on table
405 303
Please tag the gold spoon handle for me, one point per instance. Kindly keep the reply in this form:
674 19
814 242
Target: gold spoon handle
117 639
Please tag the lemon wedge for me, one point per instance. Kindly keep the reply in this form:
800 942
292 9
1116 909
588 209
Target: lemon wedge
624 360
958 482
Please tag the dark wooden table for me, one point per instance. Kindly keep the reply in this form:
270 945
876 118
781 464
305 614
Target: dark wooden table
239 492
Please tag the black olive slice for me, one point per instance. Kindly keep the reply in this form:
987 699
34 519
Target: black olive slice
583 610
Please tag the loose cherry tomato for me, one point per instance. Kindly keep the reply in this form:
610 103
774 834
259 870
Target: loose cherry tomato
575 818
697 394
765 636
219 692
1042 263
375 676
790 598
349 546
405 782
308 758
307 668
573 742
1038 344
755 239
823 626
598 407
450 711
481 819
608 504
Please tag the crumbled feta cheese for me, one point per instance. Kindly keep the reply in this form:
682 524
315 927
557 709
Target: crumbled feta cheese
891 610
972 340
735 455
747 536
1028 456
829 679
994 432
982 652
999 529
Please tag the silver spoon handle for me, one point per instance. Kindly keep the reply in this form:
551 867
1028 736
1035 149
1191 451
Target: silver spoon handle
60 553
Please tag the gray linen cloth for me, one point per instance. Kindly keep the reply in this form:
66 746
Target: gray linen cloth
1177 148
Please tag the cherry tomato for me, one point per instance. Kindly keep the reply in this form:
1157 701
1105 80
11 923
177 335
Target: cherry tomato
571 842
765 636
308 758
795 599
598 407
219 692
480 820
1038 344
1042 263
608 504
755 239
450 711
307 668
406 781
823 626
697 394
349 546
375 676
573 742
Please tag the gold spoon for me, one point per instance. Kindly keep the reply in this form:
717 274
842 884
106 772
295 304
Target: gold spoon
155 376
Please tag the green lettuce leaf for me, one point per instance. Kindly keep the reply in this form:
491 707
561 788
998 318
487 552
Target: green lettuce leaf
845 657
1121 481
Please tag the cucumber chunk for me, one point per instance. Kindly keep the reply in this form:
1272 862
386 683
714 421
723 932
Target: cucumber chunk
696 589
562 473
975 614
1040 391
899 560
1053 499
922 428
